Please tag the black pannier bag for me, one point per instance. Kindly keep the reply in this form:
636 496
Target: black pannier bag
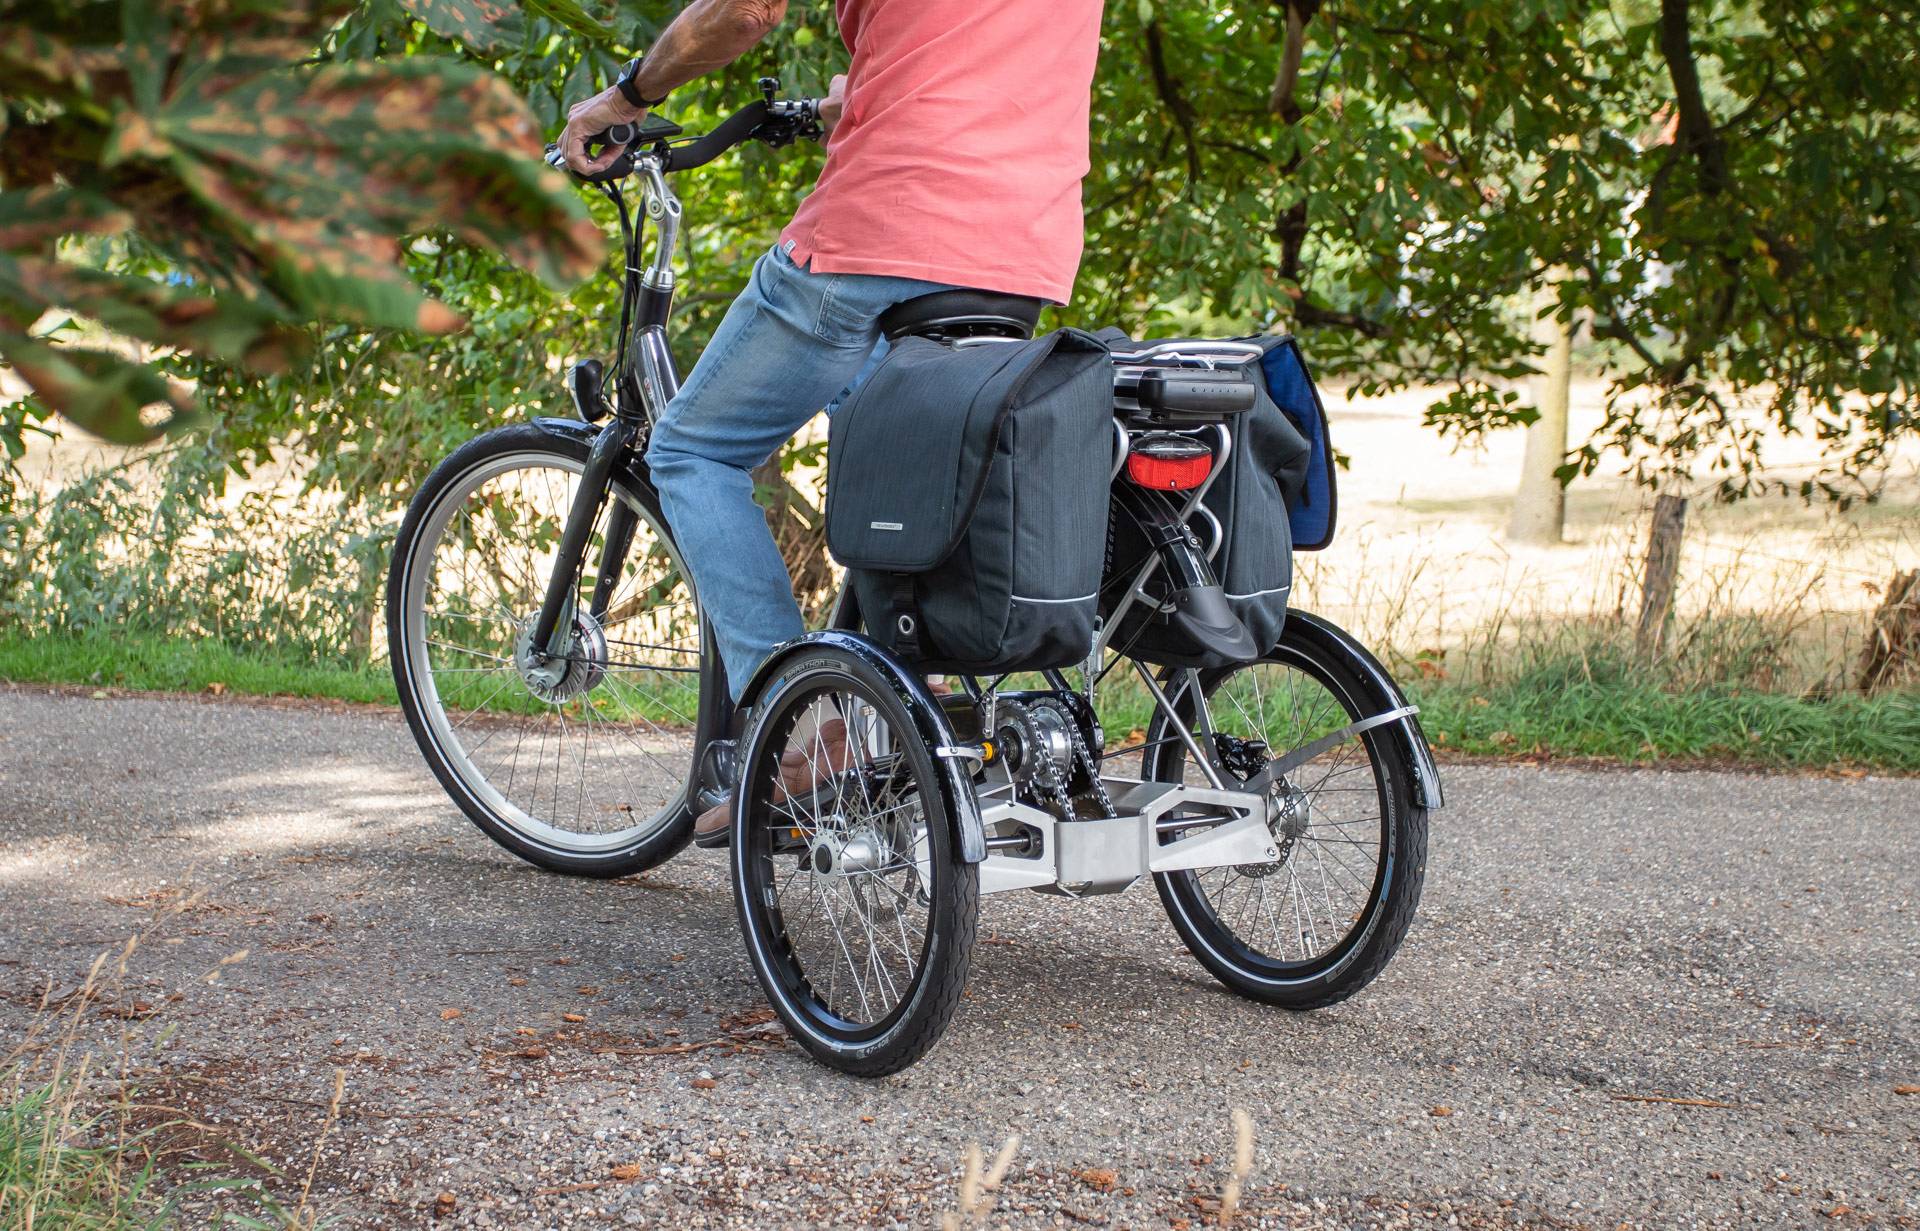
1274 496
967 498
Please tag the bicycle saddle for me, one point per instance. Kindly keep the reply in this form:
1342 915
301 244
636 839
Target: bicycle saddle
962 314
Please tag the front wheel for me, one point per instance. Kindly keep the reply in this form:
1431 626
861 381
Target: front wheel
578 763
1321 923
857 911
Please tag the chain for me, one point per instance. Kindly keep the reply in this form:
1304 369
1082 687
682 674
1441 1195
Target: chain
1085 757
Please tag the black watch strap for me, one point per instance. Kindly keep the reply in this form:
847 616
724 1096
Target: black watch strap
631 92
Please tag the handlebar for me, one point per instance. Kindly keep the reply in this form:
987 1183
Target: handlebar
775 121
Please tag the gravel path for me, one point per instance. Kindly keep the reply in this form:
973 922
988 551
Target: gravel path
1590 942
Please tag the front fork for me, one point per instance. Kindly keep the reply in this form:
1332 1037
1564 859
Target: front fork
553 627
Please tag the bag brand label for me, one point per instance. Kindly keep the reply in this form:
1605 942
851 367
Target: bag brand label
886 525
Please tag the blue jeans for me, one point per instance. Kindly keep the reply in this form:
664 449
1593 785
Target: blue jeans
794 342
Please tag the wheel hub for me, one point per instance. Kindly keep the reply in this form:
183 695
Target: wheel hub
1287 820
844 852
557 678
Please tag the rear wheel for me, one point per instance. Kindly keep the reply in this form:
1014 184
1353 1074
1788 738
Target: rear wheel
1319 925
578 764
857 911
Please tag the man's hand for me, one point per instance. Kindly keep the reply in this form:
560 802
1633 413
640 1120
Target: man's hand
834 103
588 118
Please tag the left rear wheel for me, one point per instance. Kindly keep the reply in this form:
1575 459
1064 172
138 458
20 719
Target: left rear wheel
857 911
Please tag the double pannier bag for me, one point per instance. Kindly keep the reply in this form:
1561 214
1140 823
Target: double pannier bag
1274 496
967 498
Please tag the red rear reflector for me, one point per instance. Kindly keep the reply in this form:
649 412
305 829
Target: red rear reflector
1169 463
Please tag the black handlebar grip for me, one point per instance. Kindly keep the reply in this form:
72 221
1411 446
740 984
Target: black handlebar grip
736 128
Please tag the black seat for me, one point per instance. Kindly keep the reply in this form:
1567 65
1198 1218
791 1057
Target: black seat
963 314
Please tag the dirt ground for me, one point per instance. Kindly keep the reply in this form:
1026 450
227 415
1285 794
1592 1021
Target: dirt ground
1631 998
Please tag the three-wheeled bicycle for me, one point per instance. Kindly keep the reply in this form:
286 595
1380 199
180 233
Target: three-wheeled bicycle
554 668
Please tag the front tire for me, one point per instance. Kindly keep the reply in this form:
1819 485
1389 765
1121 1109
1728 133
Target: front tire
581 769
1322 923
857 911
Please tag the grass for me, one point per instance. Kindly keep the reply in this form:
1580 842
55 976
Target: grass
1640 724
1558 708
50 1178
151 663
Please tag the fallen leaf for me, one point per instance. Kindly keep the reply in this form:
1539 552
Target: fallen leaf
677 957
626 1171
516 981
1442 1110
216 689
446 1202
526 1030
98 695
704 1083
535 1052
866 1119
573 1017
447 1015
1906 1089
1840 1211
588 989
1102 1178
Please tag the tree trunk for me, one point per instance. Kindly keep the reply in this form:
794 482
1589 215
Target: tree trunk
1895 636
1663 571
1540 504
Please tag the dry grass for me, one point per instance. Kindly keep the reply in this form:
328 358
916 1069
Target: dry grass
81 1148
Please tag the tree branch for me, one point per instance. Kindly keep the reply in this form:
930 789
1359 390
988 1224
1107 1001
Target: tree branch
1697 134
1177 104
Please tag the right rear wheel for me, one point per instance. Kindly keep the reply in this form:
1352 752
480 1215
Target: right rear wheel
1321 923
857 911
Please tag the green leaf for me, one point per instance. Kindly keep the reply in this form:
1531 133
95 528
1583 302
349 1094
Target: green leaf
101 391
484 25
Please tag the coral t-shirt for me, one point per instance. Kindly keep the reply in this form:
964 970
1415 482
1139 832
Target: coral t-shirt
961 149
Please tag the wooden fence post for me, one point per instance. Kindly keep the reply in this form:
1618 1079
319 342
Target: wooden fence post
1662 571
1895 635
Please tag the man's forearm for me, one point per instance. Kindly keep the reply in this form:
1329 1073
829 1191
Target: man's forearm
708 34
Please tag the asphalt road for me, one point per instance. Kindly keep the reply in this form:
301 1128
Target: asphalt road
1589 942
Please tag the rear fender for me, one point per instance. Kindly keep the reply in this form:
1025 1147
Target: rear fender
952 775
1386 695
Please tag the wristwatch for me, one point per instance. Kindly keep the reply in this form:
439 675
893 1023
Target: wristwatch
630 91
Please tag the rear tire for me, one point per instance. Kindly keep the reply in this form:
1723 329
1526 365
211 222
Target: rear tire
857 911
1322 935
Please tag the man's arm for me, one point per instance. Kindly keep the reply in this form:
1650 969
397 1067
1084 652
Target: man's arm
708 34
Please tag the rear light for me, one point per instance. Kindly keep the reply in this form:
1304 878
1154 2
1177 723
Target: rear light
1168 462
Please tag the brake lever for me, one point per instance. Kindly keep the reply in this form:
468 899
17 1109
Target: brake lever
625 135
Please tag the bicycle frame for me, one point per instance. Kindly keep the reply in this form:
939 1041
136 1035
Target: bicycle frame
1082 856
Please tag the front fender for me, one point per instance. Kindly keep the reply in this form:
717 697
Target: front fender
930 722
632 467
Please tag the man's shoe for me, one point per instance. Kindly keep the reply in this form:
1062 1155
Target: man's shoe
798 775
